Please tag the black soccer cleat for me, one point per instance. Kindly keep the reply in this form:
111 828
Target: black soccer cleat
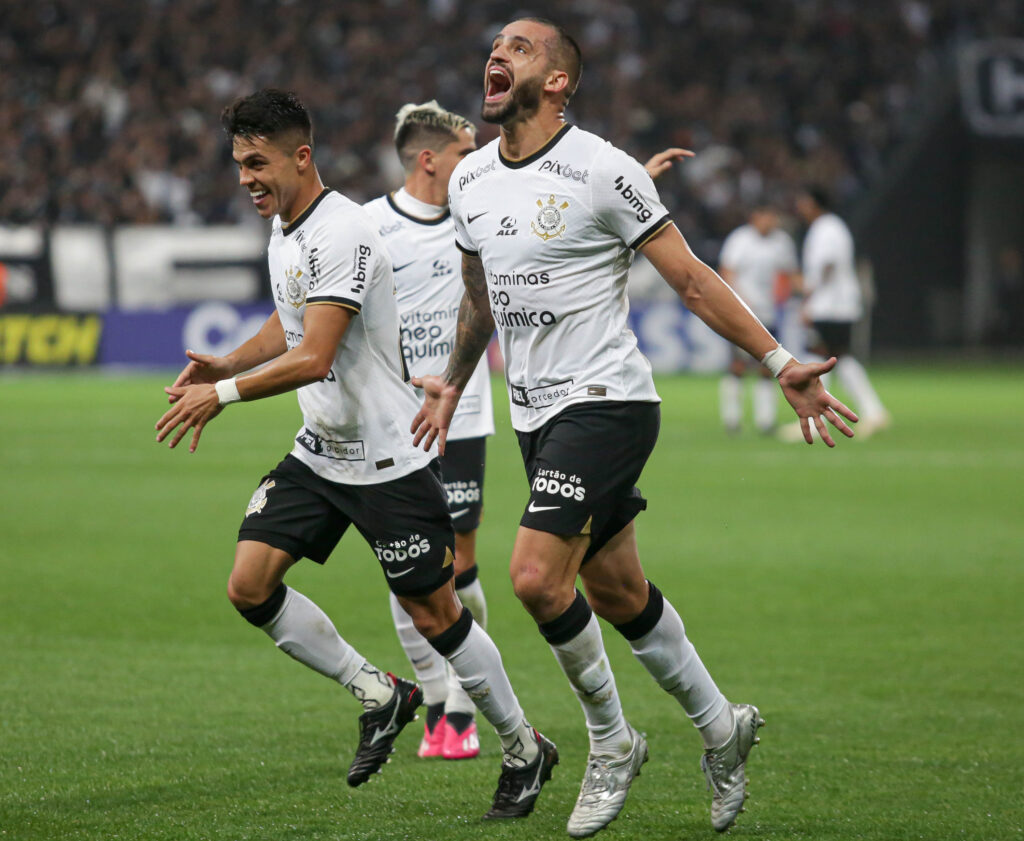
518 787
379 728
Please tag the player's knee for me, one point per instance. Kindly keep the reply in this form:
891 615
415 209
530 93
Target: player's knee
245 593
539 594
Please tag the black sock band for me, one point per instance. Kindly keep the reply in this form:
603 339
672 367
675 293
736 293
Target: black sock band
563 628
263 613
648 618
447 641
464 579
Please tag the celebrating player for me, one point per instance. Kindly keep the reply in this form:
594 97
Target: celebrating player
583 401
334 338
417 230
753 258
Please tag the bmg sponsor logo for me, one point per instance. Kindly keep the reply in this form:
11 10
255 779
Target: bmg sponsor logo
556 483
633 198
566 171
360 258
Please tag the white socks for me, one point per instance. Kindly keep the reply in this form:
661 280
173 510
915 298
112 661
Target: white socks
472 596
428 665
673 662
303 631
478 665
766 395
730 401
855 380
585 663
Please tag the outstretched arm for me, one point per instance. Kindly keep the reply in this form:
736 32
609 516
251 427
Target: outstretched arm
663 161
708 297
267 344
195 404
472 334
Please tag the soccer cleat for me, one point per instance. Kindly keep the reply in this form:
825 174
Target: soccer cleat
432 743
605 786
379 728
724 767
456 745
518 787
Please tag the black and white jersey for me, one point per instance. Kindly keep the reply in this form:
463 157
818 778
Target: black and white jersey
357 419
556 233
428 280
756 261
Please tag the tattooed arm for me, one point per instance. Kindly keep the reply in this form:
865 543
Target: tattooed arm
472 334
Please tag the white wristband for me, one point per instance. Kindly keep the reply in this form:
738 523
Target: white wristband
775 360
227 391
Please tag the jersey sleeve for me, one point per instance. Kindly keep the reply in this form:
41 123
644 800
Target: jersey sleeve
341 258
625 199
463 240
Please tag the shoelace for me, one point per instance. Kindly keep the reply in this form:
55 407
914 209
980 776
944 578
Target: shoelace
596 780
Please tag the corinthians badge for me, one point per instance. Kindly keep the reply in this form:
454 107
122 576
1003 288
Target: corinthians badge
294 291
549 223
259 498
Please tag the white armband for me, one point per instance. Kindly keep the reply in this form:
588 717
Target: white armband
227 391
775 360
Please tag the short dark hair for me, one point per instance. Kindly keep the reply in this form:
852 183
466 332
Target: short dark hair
567 54
819 194
269 113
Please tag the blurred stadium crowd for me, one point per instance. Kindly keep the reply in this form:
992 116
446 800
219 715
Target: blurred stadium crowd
110 110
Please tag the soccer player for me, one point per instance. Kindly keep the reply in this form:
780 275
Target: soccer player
833 302
334 338
583 401
416 228
755 258
418 231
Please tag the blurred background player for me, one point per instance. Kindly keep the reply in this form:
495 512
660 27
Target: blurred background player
759 262
417 230
834 303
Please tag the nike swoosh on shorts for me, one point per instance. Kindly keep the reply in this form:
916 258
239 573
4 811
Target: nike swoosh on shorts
533 508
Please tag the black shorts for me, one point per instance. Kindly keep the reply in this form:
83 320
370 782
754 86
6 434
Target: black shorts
832 338
583 465
462 472
405 521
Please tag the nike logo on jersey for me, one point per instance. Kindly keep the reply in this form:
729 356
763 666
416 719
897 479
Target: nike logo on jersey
533 507
391 574
459 513
397 269
471 219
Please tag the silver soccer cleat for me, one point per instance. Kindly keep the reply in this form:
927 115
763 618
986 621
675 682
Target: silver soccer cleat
724 767
605 786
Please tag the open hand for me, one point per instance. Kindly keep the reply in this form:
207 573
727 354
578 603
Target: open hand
435 415
202 368
193 406
801 383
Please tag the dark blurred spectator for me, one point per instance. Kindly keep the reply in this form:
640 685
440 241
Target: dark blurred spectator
109 110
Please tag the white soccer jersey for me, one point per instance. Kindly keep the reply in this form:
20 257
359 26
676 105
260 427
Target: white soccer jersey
756 262
555 232
356 420
830 243
428 279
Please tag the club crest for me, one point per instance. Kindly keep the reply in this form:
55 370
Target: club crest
294 290
259 498
549 223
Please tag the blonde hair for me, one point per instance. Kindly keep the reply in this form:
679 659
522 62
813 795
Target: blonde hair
426 126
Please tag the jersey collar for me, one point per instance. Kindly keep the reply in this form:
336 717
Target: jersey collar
519 163
302 217
419 220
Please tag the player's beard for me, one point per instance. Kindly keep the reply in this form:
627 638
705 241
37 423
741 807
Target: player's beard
524 102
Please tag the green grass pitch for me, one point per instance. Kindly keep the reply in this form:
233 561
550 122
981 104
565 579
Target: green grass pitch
868 599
